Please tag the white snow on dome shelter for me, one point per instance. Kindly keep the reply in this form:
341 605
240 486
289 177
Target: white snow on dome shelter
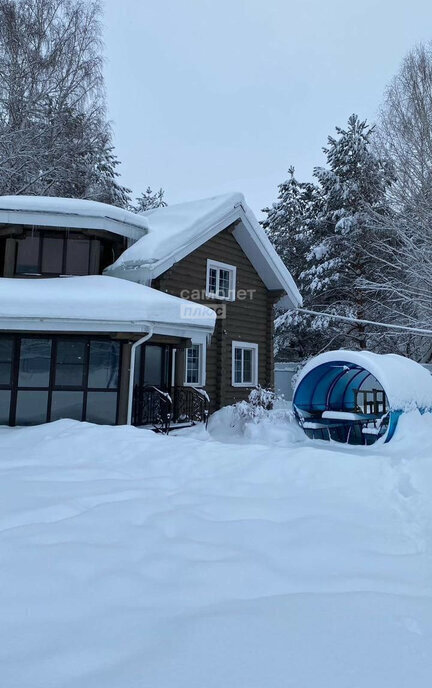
177 230
48 211
353 396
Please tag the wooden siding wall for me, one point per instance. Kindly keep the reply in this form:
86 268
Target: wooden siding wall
249 320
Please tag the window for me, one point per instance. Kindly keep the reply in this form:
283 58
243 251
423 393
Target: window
52 377
221 281
193 365
244 364
52 254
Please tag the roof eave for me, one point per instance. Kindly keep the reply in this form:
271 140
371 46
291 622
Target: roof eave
43 218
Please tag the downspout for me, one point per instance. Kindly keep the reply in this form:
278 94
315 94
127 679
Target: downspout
132 371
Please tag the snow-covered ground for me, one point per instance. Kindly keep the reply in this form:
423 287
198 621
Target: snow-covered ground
133 560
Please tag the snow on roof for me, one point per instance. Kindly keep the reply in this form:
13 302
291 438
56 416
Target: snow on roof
71 212
404 381
107 303
177 230
172 227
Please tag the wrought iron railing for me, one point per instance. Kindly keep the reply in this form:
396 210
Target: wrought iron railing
152 406
191 404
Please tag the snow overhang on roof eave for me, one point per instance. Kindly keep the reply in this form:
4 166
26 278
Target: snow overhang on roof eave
43 218
35 324
248 233
144 273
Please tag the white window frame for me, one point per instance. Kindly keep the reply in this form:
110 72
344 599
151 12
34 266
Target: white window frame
254 348
216 265
202 366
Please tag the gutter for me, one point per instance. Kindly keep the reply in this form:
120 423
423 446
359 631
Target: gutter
132 372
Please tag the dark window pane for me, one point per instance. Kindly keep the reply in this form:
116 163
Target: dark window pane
35 359
67 405
77 256
70 363
104 364
52 255
31 407
102 407
247 365
212 281
6 350
153 374
5 396
193 364
238 365
224 283
28 256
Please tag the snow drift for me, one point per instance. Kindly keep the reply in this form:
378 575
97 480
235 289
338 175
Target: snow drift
131 559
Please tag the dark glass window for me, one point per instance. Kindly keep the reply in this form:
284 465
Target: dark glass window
67 405
77 256
5 397
70 363
153 371
224 283
35 360
213 281
27 261
193 364
101 407
31 408
6 351
247 365
52 255
104 364
52 377
238 365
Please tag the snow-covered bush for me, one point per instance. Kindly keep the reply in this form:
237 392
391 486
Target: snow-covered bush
259 403
255 420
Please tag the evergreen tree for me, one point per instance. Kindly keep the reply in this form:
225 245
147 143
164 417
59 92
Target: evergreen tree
353 187
149 200
289 224
327 234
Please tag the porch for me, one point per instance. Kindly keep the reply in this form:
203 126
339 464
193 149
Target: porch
166 391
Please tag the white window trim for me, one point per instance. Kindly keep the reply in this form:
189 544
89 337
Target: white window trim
202 366
245 345
233 277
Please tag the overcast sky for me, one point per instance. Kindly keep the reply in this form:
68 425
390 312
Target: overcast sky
210 96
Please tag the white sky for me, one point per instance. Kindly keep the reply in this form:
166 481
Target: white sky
210 96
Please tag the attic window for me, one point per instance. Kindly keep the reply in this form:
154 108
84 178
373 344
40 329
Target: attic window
221 281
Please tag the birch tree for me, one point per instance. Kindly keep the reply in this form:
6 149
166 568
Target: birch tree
54 137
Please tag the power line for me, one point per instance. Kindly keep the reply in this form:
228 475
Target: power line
415 330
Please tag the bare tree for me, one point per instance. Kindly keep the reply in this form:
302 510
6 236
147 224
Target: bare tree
403 254
54 137
404 129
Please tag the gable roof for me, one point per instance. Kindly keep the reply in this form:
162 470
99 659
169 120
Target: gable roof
49 211
177 230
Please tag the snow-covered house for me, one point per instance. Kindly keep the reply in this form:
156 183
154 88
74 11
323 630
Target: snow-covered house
110 317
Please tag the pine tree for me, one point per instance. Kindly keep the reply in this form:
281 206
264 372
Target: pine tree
289 224
149 200
353 187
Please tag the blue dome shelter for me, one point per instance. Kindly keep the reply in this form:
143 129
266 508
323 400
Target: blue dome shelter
358 397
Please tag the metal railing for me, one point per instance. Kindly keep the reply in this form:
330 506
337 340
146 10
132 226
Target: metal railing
191 404
153 406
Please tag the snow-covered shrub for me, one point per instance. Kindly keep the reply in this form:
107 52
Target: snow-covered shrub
255 420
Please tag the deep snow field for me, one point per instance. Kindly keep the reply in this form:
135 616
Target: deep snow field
130 559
